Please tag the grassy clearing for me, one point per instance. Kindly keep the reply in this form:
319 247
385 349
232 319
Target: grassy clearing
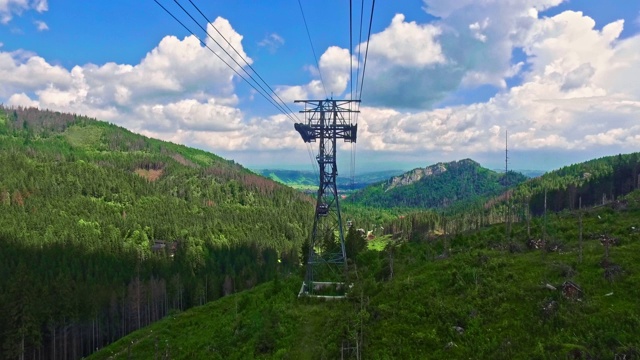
484 301
85 137
379 242
303 187
202 159
150 175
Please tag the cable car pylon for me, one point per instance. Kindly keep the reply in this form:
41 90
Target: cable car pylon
326 121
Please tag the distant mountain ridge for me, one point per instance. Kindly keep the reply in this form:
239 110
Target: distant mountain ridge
300 179
415 175
530 173
437 186
595 183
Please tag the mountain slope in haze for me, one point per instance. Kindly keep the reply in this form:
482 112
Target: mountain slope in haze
527 172
436 186
108 230
309 179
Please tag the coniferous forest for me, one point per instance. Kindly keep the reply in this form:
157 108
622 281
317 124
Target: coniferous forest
103 232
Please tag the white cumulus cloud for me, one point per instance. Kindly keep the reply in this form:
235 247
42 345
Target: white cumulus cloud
272 42
41 25
178 87
333 77
580 92
575 88
10 8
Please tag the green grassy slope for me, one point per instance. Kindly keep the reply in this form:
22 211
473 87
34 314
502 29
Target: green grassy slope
486 299
268 321
501 304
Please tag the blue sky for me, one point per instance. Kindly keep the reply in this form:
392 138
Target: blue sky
444 80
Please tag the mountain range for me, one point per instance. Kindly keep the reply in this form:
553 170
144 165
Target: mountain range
436 186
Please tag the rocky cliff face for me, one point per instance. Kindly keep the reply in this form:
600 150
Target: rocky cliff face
418 174
415 175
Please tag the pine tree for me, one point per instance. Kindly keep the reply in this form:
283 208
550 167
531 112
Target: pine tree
354 243
22 315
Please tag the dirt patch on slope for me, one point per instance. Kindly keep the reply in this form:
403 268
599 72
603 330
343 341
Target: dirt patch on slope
150 175
182 160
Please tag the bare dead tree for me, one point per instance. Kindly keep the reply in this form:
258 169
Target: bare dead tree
391 262
544 228
528 215
507 223
580 220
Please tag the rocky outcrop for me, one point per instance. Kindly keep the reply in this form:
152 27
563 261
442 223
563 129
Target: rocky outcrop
415 175
418 174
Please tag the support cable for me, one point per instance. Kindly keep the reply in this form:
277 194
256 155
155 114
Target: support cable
312 48
364 67
351 49
264 93
366 53
290 114
352 171
361 79
359 47
238 53
232 58
268 98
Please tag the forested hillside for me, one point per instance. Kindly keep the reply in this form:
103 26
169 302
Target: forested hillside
103 231
436 186
466 295
597 181
593 183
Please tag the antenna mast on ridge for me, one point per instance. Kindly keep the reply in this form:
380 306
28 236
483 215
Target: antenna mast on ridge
325 122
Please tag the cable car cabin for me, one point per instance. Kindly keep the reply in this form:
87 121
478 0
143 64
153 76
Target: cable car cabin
323 209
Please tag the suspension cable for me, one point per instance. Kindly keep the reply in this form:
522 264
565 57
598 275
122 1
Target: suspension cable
366 53
350 50
268 98
281 105
313 49
231 57
240 55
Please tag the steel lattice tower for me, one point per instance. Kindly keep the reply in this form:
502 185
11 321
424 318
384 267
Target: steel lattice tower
326 121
